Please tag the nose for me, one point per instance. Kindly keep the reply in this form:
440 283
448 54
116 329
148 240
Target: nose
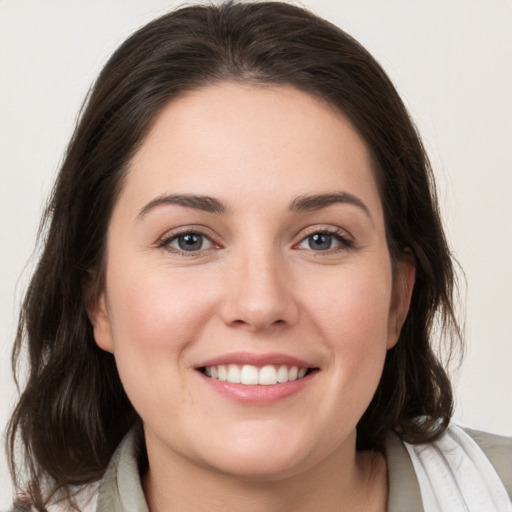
259 293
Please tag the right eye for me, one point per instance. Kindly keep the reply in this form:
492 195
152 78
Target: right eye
187 242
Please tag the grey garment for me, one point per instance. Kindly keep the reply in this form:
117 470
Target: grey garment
121 489
404 493
498 450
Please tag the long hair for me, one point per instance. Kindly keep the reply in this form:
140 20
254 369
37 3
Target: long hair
73 410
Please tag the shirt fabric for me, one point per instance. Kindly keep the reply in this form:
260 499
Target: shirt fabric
120 490
454 474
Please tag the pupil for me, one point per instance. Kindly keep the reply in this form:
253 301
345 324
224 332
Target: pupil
320 241
190 242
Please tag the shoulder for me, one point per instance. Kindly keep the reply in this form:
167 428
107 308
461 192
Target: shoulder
85 497
456 459
464 467
498 449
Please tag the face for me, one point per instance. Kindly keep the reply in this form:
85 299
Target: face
249 297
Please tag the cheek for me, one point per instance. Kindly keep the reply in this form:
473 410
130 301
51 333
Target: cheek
352 316
155 318
156 309
353 310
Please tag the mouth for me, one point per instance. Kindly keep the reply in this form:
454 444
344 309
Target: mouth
251 375
258 379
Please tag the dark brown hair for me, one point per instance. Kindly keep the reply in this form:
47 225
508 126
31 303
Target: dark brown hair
73 410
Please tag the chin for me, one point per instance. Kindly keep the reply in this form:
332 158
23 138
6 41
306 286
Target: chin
259 469
258 460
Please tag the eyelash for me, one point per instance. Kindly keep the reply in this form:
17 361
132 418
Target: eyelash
345 243
165 243
338 235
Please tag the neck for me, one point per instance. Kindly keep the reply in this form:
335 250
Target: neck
346 480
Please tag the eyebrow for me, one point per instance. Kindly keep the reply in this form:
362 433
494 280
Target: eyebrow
197 202
211 205
319 201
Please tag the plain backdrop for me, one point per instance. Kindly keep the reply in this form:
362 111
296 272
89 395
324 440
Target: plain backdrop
450 60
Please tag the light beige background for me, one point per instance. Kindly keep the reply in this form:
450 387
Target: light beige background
452 63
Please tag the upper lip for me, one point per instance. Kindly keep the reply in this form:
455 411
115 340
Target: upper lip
241 358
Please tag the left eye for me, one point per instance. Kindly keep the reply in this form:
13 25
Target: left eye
323 242
189 242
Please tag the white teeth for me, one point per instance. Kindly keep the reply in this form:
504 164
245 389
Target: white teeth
282 374
234 374
249 375
252 375
223 373
268 376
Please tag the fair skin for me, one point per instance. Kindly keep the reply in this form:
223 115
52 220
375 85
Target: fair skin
258 274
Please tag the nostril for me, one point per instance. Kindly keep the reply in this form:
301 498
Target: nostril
257 325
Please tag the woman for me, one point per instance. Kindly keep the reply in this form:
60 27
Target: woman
235 301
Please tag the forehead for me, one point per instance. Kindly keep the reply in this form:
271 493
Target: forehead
229 139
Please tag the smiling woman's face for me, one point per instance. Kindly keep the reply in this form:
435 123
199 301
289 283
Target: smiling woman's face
248 244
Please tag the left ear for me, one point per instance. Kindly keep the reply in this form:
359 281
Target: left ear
403 284
100 320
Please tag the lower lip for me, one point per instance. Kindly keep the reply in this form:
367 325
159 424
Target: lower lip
258 394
